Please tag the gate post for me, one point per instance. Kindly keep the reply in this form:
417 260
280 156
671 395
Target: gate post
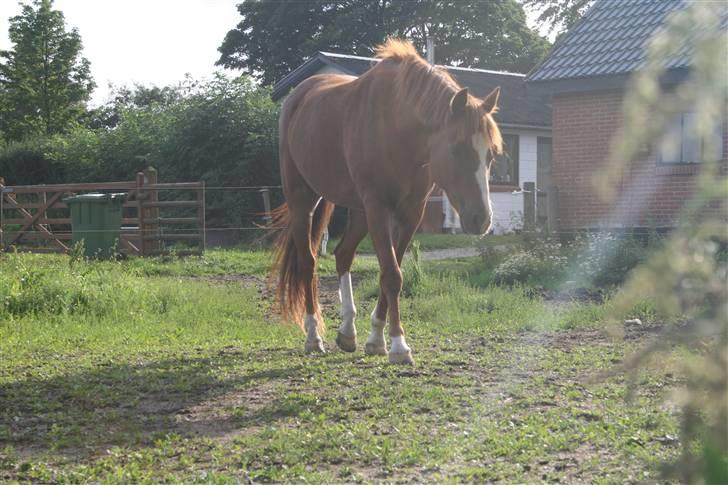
266 205
529 206
552 218
151 214
140 212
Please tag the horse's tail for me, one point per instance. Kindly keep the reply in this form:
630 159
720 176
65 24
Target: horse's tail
291 285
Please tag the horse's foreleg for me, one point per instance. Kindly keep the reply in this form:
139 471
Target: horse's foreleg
407 224
356 229
390 281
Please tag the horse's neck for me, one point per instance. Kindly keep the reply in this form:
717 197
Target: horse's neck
427 95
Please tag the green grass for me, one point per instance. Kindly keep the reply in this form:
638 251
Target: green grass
429 242
162 370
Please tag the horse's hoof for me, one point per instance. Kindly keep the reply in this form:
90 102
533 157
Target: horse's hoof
401 358
375 349
314 346
345 342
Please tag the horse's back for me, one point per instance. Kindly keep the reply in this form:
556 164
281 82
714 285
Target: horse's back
317 86
311 129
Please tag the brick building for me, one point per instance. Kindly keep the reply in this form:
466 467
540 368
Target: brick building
586 74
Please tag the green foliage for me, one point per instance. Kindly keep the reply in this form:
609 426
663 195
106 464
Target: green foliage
412 271
44 81
591 260
30 161
544 263
605 259
222 131
274 37
689 275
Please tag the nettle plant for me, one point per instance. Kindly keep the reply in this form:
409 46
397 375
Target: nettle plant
688 276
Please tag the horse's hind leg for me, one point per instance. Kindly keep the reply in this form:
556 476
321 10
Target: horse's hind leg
301 227
356 229
308 215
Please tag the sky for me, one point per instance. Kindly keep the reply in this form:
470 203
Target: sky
150 42
142 41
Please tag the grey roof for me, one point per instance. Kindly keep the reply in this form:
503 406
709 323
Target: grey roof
517 106
610 40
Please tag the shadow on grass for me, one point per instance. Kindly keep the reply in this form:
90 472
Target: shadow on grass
135 404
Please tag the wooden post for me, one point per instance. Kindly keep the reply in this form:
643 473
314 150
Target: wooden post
541 208
201 217
529 206
151 214
266 205
552 218
140 212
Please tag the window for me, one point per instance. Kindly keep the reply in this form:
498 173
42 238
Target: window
681 145
504 169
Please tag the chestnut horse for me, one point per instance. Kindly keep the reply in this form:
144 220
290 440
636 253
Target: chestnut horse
376 144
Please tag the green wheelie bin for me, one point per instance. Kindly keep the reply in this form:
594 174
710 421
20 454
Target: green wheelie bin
96 219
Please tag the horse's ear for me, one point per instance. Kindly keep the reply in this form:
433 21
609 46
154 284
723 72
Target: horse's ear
459 101
491 101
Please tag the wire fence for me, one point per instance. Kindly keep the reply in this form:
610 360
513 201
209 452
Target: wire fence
253 221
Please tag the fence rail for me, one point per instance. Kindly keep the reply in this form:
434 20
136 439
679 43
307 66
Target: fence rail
35 218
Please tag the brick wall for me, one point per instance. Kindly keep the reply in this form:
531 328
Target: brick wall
650 194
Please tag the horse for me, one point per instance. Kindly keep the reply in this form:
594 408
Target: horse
377 145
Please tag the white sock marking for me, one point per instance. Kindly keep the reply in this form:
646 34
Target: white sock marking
311 326
376 337
399 346
348 309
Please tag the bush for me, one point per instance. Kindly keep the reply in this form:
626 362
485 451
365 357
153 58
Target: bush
223 131
542 264
596 259
30 161
605 259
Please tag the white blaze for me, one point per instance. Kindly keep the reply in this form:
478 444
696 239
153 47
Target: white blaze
480 146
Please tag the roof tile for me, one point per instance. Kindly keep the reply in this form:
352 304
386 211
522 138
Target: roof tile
517 105
609 39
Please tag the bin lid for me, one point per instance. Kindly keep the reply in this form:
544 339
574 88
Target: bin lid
96 198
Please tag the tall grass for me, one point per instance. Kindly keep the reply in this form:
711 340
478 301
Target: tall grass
47 303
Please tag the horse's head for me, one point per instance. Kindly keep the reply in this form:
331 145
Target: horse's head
460 156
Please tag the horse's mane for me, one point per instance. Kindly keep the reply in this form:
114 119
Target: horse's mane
429 89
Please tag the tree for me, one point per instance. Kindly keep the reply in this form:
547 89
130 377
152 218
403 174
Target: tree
44 81
560 15
124 98
275 36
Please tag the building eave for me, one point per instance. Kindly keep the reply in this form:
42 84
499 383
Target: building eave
671 77
521 126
